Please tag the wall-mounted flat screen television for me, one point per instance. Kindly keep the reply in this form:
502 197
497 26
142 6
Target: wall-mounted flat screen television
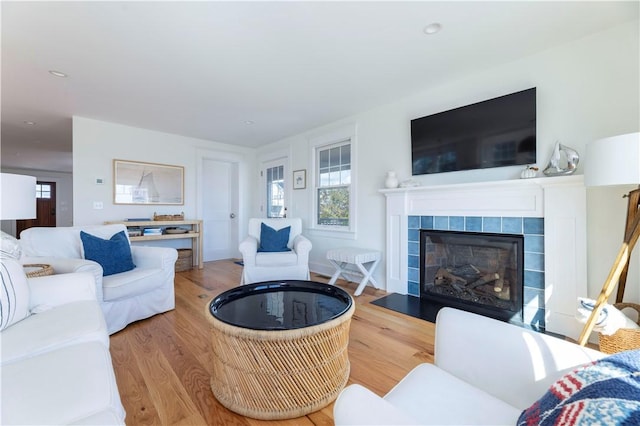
494 133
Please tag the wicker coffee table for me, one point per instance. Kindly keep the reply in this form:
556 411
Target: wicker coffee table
280 348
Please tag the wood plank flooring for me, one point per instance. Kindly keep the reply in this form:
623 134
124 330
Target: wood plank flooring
162 363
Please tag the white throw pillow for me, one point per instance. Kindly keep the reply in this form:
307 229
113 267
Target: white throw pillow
14 294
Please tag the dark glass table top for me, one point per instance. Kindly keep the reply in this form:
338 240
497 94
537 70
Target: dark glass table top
280 305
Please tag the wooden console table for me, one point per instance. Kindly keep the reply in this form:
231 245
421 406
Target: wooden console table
194 234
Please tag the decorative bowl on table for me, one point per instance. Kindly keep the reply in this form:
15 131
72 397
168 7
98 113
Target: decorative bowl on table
175 231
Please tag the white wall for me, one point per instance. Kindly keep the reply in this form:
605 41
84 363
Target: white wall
64 196
97 143
586 90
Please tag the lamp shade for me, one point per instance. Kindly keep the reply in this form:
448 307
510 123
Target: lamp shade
18 197
613 161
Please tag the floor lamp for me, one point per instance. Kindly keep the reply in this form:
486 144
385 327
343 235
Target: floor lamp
17 201
615 161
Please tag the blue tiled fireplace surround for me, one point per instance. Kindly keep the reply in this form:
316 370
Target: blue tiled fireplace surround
531 228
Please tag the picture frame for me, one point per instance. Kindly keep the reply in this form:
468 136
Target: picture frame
300 179
141 183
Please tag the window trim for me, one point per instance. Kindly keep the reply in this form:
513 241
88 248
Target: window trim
326 140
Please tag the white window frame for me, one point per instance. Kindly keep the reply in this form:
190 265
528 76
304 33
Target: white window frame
317 143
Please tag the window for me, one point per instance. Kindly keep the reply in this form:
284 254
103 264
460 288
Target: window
333 185
43 190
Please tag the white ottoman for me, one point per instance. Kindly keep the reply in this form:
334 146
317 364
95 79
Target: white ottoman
342 257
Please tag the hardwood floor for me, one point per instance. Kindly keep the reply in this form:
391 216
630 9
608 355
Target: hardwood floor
162 363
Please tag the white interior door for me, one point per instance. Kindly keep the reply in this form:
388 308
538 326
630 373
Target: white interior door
220 209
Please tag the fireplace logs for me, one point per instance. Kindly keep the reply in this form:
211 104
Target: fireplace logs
470 284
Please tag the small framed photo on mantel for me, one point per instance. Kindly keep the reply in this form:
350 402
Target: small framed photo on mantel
299 179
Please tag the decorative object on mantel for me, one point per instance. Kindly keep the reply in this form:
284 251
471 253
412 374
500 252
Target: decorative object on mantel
409 183
529 172
168 216
615 161
391 181
571 156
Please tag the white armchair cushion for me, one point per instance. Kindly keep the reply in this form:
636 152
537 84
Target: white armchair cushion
14 294
60 387
276 258
444 394
357 405
129 283
64 312
52 329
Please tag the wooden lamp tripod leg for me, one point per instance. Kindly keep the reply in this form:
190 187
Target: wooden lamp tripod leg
621 262
632 211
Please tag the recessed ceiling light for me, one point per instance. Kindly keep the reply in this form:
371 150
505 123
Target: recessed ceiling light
29 123
432 28
248 122
57 73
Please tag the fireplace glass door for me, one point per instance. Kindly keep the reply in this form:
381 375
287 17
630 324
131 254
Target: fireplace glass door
477 272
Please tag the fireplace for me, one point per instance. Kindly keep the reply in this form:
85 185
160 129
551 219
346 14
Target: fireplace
475 271
549 212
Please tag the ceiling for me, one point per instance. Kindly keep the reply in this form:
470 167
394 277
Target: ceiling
250 73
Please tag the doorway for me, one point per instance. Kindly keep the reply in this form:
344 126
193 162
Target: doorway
220 201
45 208
274 190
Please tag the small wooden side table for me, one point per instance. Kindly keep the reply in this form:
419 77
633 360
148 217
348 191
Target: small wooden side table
33 270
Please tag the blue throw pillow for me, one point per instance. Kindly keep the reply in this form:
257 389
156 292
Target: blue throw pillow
114 254
272 240
606 391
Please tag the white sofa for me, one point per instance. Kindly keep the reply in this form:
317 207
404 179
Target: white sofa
55 362
125 297
268 266
485 372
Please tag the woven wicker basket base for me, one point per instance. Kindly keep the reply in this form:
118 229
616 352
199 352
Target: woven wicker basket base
625 338
277 411
185 260
272 375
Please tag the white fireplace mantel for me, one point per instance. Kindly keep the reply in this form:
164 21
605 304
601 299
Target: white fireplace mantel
561 201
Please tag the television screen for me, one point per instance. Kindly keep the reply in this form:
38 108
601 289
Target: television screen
494 133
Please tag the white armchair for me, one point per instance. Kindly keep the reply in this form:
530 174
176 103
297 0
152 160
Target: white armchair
269 266
485 372
124 297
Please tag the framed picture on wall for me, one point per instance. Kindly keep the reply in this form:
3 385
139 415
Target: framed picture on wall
136 182
299 179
